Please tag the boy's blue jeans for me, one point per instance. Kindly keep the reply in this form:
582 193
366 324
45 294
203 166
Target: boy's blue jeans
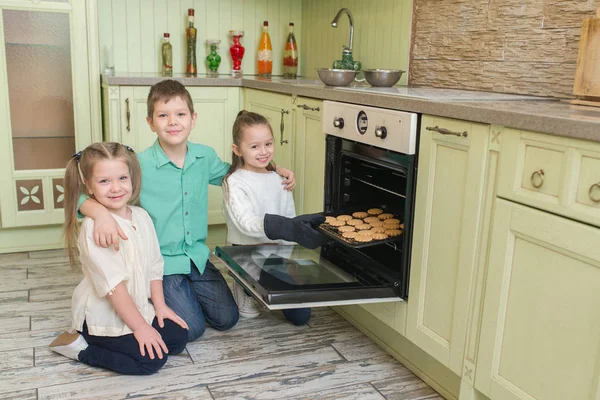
200 299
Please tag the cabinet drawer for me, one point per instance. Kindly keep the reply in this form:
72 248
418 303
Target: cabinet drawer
556 174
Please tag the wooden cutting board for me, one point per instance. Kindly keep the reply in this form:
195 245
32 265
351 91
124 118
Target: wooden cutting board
587 74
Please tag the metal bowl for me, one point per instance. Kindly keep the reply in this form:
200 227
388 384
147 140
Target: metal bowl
336 77
383 77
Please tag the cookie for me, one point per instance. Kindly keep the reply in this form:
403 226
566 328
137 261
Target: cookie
363 227
374 211
368 220
385 216
365 233
377 229
329 219
343 217
379 236
391 221
363 238
360 214
354 222
337 222
346 228
376 223
401 226
349 235
393 232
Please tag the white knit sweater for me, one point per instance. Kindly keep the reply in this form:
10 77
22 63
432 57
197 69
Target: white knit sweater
251 195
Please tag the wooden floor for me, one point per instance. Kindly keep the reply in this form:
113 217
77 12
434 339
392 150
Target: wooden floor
261 358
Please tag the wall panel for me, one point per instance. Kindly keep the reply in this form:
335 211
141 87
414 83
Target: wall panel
132 30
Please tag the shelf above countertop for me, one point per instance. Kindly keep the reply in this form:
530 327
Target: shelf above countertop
538 114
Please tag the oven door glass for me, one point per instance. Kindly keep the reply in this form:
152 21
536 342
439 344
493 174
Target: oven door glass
282 277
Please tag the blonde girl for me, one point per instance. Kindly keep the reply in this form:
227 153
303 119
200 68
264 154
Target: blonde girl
258 209
120 319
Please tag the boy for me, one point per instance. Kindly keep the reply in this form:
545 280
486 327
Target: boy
175 179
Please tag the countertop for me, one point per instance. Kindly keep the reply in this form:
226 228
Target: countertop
557 117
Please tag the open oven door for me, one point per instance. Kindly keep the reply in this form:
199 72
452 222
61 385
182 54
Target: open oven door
284 277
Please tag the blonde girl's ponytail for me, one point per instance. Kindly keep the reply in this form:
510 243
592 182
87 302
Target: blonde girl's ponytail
72 184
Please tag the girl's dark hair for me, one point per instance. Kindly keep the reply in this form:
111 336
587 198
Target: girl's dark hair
78 171
244 119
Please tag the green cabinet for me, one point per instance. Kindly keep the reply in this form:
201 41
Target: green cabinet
448 210
299 142
125 122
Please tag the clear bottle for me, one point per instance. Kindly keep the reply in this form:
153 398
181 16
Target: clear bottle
190 36
167 56
290 55
265 52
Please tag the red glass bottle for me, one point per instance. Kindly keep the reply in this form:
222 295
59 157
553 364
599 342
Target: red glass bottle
237 52
290 55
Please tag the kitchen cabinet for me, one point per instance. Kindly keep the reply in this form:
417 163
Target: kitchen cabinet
277 109
46 97
309 156
555 174
447 223
125 122
542 291
541 325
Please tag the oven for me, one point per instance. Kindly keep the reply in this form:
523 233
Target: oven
370 166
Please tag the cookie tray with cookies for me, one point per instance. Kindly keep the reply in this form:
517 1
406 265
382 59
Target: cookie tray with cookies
363 228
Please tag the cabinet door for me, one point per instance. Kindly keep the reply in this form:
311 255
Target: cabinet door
45 105
309 166
277 108
540 335
216 107
450 186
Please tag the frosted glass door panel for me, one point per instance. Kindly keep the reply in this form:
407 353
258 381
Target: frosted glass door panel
38 62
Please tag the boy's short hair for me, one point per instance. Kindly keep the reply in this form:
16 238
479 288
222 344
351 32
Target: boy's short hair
165 91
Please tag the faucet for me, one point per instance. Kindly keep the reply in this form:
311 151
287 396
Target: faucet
335 22
347 62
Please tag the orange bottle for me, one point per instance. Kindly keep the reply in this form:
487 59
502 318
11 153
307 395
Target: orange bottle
265 52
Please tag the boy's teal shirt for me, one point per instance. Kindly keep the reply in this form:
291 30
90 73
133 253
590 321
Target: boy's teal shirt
177 201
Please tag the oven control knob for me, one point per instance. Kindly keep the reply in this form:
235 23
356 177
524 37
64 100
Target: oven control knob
338 122
381 132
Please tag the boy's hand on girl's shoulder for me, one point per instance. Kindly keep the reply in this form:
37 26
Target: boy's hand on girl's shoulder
290 178
165 312
150 340
107 231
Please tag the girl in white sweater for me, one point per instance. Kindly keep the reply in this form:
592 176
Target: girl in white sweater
258 208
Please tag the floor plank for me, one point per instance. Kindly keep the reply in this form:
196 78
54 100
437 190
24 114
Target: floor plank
185 378
406 387
363 391
16 359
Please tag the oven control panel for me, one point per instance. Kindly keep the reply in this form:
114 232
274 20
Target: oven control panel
389 129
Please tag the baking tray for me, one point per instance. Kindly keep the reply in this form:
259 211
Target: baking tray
333 233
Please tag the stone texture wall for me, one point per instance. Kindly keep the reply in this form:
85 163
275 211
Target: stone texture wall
508 46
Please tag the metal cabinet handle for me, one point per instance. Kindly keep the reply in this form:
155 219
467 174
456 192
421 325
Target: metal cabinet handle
595 199
307 107
539 174
445 131
282 127
128 114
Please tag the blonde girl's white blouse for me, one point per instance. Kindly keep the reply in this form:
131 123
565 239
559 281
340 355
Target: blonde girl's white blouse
137 262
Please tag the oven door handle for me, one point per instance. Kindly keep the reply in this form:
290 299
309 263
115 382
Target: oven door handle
282 127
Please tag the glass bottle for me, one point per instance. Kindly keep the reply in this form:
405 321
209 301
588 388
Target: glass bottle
290 55
237 52
190 36
213 59
167 56
265 52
